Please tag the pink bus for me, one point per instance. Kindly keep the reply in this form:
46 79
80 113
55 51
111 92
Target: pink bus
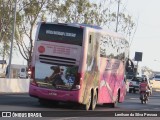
78 63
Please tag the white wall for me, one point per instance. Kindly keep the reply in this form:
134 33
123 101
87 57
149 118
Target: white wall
14 85
22 85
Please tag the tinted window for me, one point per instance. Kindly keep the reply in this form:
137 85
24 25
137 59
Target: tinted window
157 76
138 79
23 70
61 33
129 77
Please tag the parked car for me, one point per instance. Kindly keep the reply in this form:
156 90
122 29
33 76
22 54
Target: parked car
156 77
135 82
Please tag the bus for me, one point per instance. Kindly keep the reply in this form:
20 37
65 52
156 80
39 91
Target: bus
78 63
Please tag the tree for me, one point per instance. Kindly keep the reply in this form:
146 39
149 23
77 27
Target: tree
69 11
6 11
102 13
30 13
125 24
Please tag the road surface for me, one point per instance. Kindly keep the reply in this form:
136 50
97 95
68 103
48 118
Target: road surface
23 102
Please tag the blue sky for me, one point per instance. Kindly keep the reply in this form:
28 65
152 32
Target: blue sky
147 36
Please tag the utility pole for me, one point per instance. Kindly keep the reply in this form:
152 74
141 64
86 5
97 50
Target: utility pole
117 22
137 71
12 38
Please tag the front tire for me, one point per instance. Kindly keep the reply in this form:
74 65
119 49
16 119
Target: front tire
130 90
145 101
142 101
134 91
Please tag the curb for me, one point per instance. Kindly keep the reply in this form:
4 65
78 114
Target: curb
15 93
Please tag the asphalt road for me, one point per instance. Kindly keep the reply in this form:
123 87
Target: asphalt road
23 102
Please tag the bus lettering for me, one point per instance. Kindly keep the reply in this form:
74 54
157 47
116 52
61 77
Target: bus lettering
61 33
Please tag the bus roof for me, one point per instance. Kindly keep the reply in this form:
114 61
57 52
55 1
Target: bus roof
98 29
95 27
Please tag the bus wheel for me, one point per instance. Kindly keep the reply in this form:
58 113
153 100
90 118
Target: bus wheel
113 105
145 101
94 101
88 104
142 101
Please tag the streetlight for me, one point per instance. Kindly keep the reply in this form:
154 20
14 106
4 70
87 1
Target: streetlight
13 31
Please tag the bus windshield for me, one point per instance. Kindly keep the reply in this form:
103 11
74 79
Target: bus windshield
61 33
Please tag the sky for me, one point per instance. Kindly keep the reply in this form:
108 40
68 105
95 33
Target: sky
147 36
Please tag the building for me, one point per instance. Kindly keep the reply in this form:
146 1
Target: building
16 71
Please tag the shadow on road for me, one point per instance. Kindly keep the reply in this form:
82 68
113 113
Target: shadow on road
25 102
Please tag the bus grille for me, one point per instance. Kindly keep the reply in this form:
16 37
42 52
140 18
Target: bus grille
55 60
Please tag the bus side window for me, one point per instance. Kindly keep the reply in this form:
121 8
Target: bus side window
23 70
90 39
